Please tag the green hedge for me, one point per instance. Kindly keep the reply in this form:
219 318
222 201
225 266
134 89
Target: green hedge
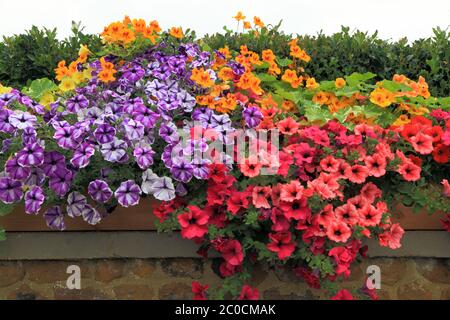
345 52
34 54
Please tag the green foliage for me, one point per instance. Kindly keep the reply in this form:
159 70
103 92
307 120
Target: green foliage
2 235
35 53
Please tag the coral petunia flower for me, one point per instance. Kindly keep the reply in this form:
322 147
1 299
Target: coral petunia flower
409 171
446 187
356 173
329 164
251 167
376 164
338 231
422 143
391 238
260 197
291 191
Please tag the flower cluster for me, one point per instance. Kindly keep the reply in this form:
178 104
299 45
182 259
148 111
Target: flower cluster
159 115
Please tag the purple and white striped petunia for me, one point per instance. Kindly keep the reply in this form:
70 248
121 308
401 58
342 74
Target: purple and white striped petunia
60 180
128 193
5 125
148 178
34 198
10 190
104 133
182 170
252 116
99 191
22 120
53 160
91 215
66 137
55 218
163 189
15 170
82 155
201 168
76 103
31 155
144 156
114 151
75 204
134 130
36 177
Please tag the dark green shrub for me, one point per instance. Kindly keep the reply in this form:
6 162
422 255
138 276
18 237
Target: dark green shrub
36 53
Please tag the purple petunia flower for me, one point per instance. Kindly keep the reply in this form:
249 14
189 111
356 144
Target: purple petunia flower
168 131
134 130
53 160
76 103
10 190
181 170
36 177
75 204
91 215
29 135
5 125
66 137
82 155
31 155
34 198
145 116
163 189
128 193
55 218
99 191
252 116
15 170
114 151
181 190
60 181
104 133
148 178
21 120
6 99
201 168
134 73
144 156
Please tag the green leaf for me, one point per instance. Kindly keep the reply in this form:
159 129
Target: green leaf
327 85
5 208
40 87
264 77
356 78
2 235
284 62
316 113
395 86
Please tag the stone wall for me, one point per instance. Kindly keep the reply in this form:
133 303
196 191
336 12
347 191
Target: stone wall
402 278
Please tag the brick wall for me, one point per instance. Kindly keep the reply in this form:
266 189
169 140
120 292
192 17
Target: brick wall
402 278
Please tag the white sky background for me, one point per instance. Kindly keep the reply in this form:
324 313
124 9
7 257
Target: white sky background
392 18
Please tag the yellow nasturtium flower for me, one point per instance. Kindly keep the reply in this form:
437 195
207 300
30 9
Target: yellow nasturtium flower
239 16
46 99
67 84
5 89
176 32
339 83
402 120
382 97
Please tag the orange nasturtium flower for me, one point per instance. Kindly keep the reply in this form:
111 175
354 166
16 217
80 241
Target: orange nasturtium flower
176 32
139 25
382 97
311 83
247 25
202 78
339 83
106 76
258 22
239 16
225 74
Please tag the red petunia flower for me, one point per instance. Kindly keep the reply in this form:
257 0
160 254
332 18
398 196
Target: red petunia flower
297 209
288 126
260 197
347 213
217 172
282 244
338 231
441 153
329 164
291 191
193 223
409 171
231 251
199 290
422 143
251 167
435 133
391 238
343 295
237 201
285 160
376 164
357 173
446 187
310 278
249 293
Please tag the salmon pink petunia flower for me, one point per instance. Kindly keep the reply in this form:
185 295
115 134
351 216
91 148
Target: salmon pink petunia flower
260 197
391 238
422 143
